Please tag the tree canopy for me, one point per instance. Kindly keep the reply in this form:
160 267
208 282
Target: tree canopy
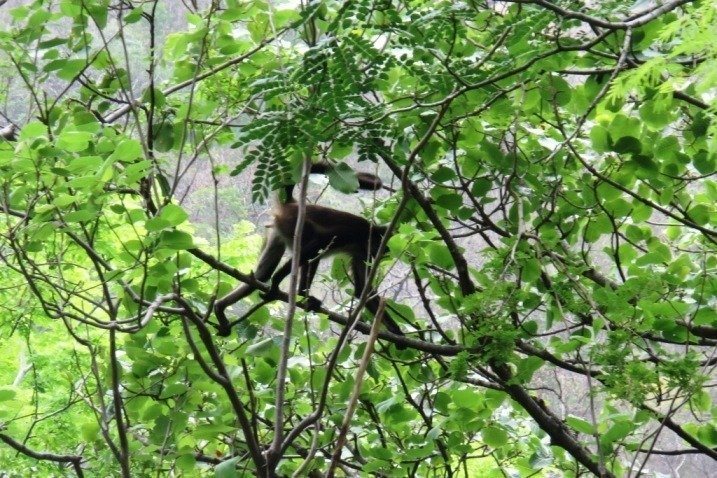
552 208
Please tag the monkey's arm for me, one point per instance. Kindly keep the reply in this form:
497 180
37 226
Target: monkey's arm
269 260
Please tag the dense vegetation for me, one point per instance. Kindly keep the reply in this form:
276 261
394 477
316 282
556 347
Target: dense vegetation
552 197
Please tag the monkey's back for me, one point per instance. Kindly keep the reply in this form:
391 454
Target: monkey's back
324 228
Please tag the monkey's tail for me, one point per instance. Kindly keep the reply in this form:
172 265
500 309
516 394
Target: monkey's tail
393 327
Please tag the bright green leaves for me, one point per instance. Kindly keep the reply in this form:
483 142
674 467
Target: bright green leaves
656 115
169 216
564 236
67 69
32 130
530 270
422 247
7 394
580 425
127 150
620 429
494 437
173 215
702 214
74 141
176 240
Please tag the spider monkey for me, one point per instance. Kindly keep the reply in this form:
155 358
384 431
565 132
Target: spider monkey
326 232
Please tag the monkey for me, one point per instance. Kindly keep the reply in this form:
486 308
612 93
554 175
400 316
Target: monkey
326 232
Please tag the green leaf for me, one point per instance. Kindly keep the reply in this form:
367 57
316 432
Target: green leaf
464 398
440 255
284 17
186 462
173 215
705 316
617 432
32 130
152 412
655 115
701 400
577 423
450 201
178 240
556 90
707 434
7 394
127 150
627 144
264 372
173 390
530 271
84 164
227 469
82 182
70 8
74 141
82 215
704 162
443 174
343 178
644 162
600 139
494 437
134 16
480 187
262 348
164 137
527 367
156 224
700 214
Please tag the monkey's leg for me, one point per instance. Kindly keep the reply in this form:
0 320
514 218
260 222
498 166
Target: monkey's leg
358 265
309 253
269 260
308 273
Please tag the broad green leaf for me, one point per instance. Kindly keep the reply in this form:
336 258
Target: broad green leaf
173 390
173 215
577 423
617 432
707 434
227 469
701 214
186 462
627 144
530 270
74 141
176 240
343 178
127 150
494 437
7 394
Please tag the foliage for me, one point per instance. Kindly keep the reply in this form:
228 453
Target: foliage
554 220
